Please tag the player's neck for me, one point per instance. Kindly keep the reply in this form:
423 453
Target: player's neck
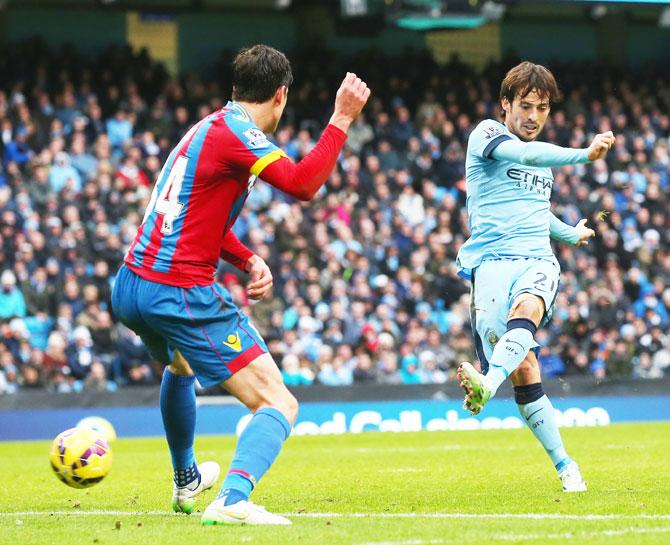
261 114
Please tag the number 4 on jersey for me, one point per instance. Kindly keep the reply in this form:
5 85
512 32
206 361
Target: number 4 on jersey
167 203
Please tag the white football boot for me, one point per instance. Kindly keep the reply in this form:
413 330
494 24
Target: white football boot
572 478
183 497
242 512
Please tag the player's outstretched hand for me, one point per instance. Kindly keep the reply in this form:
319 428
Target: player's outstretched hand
349 101
585 233
261 278
600 145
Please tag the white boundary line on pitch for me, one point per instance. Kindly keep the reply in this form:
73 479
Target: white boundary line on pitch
534 516
530 537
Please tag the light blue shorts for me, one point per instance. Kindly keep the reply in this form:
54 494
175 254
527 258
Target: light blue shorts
496 283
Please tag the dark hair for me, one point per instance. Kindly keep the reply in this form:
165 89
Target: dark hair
527 77
258 72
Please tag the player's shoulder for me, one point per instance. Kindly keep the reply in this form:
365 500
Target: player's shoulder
484 138
240 124
488 129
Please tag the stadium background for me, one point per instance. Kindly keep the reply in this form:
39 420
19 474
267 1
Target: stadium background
94 94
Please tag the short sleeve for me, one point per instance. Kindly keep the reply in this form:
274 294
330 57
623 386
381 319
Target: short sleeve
486 137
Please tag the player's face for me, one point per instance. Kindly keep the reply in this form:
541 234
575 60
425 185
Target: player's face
526 116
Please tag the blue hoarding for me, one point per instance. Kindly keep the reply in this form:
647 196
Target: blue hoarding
215 417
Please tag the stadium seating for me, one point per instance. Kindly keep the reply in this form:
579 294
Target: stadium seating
365 282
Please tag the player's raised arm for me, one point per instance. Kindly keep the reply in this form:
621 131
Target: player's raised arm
303 179
349 101
543 154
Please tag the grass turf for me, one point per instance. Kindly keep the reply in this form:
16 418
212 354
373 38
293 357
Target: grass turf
404 483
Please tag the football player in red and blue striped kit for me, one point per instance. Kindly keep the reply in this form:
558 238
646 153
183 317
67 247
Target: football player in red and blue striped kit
165 290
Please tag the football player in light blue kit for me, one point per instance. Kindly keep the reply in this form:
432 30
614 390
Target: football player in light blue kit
508 257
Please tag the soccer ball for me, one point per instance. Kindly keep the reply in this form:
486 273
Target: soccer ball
100 425
80 457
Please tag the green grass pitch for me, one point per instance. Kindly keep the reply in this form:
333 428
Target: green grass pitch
376 489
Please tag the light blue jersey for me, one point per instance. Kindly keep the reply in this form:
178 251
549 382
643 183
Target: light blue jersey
508 196
509 184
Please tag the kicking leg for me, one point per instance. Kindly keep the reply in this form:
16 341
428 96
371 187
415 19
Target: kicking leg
524 317
177 402
538 413
260 387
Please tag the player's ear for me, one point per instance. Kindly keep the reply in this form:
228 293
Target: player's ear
279 93
284 94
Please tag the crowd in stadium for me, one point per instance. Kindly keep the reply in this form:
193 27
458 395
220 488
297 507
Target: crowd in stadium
365 283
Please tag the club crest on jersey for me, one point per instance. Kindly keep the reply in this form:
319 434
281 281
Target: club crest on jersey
256 138
492 338
492 132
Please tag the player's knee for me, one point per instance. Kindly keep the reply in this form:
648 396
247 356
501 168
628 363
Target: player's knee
527 306
285 402
279 398
290 410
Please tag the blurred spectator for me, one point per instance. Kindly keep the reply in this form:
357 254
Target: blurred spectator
365 284
292 374
80 353
97 379
335 373
12 302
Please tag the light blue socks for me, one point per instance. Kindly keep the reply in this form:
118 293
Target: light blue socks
538 413
510 351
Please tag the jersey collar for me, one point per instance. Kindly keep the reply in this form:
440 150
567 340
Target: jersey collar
241 110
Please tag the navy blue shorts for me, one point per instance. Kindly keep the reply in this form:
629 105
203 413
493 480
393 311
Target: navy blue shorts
202 322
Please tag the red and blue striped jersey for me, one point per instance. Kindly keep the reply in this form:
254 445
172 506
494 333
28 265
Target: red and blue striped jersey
198 196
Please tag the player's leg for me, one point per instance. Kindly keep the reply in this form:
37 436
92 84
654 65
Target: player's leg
532 293
178 411
527 311
222 347
538 413
177 403
503 328
131 297
260 387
